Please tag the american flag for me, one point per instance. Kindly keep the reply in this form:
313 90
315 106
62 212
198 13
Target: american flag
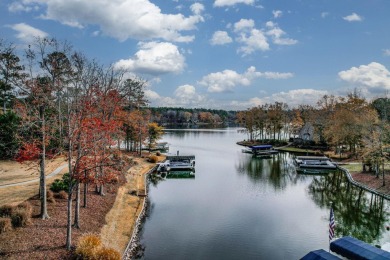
332 225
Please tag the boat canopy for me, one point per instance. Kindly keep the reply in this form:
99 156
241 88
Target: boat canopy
319 254
261 147
353 248
180 157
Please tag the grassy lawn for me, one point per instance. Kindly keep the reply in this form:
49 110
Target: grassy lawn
14 172
353 167
296 150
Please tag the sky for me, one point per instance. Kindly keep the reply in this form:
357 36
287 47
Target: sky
222 54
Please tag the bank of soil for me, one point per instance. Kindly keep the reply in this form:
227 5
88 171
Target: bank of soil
372 181
113 216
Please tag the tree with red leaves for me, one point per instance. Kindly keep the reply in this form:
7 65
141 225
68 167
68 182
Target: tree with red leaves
49 70
93 103
37 133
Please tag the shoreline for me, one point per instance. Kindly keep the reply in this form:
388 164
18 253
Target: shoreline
121 232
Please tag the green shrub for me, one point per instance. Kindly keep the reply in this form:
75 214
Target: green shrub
62 184
88 246
5 225
107 253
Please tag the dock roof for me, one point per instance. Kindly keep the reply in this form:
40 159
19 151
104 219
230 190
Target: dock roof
353 248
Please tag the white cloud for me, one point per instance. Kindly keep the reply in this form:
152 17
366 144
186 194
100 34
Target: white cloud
227 80
19 7
27 33
251 38
154 58
277 35
122 19
353 18
386 52
183 96
293 98
255 40
324 14
187 95
197 8
277 13
151 95
221 3
244 25
220 38
373 75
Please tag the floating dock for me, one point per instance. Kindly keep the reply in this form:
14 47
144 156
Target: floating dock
261 150
314 163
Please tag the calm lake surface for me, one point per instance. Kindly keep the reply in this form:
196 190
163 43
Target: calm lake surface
240 207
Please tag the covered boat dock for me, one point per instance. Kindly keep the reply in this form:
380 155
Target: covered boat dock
353 248
319 254
264 149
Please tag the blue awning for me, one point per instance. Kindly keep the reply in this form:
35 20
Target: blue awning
353 248
320 254
261 147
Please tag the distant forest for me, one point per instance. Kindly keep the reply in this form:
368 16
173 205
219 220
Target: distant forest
191 116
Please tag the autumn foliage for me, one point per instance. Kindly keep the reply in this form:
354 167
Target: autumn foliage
90 247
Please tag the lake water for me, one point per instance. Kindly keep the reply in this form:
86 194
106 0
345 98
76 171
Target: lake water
240 207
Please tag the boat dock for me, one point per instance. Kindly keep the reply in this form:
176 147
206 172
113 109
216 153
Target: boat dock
260 150
177 163
307 164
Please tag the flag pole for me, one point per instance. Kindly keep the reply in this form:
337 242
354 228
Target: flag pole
331 224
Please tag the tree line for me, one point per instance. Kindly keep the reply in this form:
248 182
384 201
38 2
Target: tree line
55 101
192 116
349 122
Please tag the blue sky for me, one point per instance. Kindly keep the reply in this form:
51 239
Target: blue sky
228 54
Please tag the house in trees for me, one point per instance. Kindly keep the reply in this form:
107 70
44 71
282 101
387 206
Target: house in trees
306 134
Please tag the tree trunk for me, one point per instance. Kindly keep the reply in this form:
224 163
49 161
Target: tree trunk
85 194
383 173
77 207
70 187
101 190
42 188
69 221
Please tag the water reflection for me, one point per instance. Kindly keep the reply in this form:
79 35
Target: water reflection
358 213
276 169
240 207
185 132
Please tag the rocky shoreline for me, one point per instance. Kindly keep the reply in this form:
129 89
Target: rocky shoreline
134 248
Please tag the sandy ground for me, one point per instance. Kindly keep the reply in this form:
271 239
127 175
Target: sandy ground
13 172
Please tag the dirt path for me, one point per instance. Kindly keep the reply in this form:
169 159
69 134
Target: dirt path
122 217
